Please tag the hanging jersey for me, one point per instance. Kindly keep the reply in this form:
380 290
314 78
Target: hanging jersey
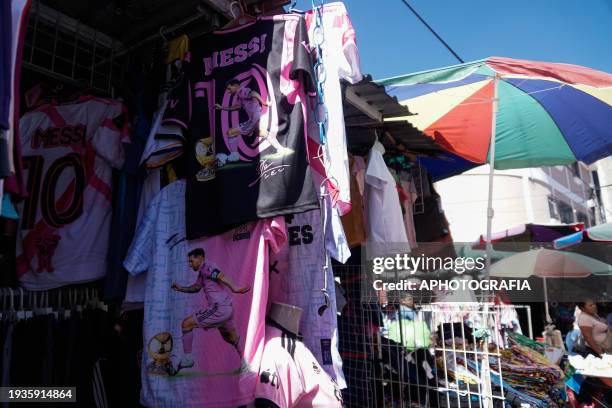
297 277
353 221
242 167
225 318
135 290
10 153
6 62
290 376
159 151
341 61
69 152
385 230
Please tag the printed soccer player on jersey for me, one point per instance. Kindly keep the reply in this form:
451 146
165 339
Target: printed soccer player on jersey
251 102
219 313
160 249
243 94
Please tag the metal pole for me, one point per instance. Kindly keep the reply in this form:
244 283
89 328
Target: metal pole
548 319
486 379
192 18
491 174
529 322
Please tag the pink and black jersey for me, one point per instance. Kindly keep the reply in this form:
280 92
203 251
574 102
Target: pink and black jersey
271 57
69 152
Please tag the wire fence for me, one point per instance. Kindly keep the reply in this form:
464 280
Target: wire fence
399 351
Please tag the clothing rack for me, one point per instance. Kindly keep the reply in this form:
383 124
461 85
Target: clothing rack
212 20
65 49
27 303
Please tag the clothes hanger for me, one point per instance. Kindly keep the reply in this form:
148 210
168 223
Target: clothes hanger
5 312
68 310
21 312
240 19
33 296
3 301
99 302
162 35
12 302
48 310
56 311
78 298
164 44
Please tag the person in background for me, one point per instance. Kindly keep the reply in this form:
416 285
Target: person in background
595 331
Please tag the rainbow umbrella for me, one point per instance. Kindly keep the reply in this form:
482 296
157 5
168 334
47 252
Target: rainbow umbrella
548 113
510 113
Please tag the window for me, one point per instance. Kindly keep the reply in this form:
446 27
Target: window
552 208
566 214
582 217
575 168
594 217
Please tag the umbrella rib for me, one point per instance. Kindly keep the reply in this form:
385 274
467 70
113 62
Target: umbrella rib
556 88
479 101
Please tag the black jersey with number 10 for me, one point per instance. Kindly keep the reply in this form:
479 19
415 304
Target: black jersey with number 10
241 110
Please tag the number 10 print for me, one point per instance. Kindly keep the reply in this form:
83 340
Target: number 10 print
42 190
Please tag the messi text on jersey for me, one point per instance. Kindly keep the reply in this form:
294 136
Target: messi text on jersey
57 136
235 55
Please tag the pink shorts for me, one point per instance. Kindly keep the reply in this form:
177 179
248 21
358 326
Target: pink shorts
221 316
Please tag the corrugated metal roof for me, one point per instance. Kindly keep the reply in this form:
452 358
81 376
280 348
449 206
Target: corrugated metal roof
375 96
366 105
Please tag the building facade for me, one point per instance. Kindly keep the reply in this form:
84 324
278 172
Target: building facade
546 195
602 179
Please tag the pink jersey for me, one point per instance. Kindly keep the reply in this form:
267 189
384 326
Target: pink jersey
159 248
215 291
68 154
290 375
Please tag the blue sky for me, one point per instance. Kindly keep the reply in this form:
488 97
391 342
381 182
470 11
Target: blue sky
393 42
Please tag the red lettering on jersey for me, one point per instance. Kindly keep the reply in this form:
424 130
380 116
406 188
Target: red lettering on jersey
57 136
45 249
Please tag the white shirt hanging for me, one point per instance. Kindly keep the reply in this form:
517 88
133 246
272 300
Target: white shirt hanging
385 230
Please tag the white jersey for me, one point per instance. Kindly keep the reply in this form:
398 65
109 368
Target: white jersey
135 290
297 277
68 154
385 228
289 375
158 152
341 60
